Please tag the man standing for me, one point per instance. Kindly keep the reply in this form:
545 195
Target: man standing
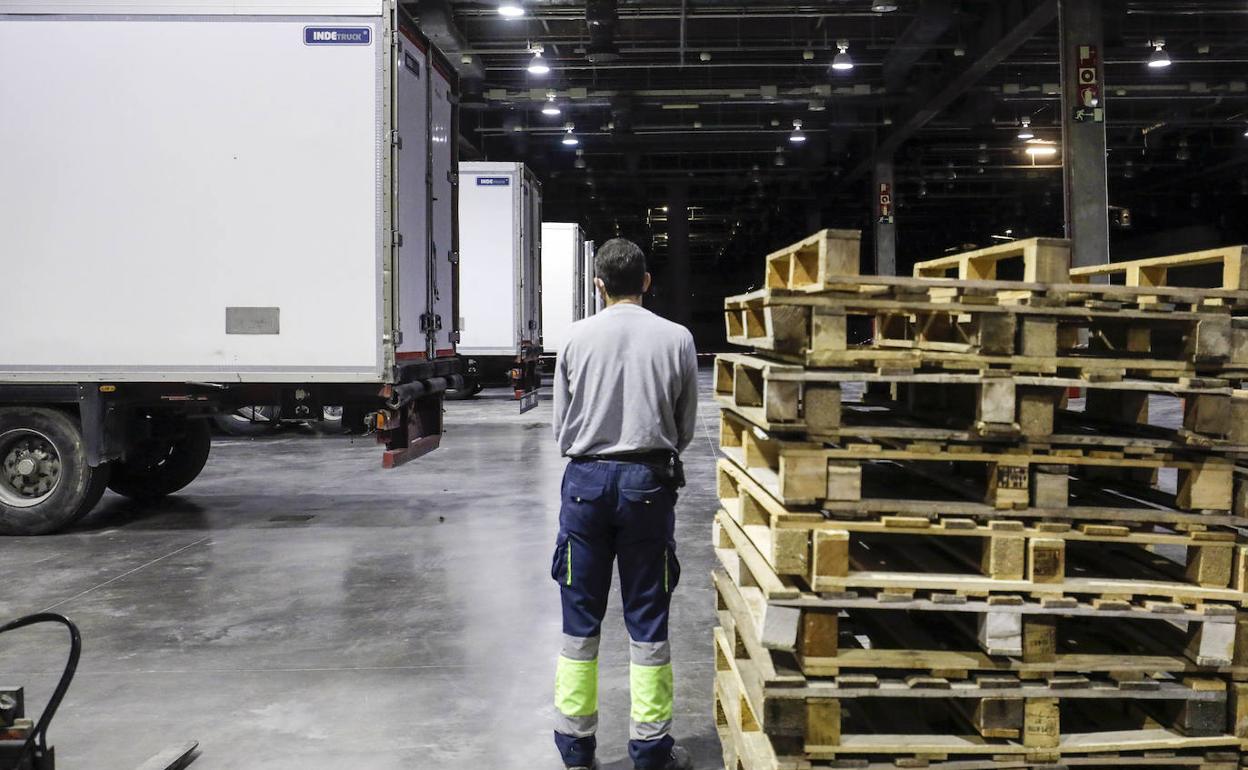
626 394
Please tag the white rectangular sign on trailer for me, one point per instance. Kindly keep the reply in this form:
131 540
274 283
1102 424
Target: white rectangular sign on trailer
563 284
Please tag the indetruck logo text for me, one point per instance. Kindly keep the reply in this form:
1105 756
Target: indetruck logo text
337 35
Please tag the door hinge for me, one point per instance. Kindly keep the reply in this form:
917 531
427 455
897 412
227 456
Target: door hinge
395 139
430 322
396 238
455 337
454 257
398 337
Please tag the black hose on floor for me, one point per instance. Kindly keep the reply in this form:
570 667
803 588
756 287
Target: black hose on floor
38 738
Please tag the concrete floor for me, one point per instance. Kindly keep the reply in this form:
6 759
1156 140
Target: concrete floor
299 607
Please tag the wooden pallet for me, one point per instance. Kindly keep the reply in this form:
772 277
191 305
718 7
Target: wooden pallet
810 264
1231 262
957 553
1072 295
783 398
953 636
870 571
815 330
855 716
1044 260
1031 475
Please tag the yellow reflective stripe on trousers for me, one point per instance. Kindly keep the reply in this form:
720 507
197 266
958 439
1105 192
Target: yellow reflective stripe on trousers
651 690
576 687
569 562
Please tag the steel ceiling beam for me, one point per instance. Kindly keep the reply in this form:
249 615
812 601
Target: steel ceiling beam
932 103
934 19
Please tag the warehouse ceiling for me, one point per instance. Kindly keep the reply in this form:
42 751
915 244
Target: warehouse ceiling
703 98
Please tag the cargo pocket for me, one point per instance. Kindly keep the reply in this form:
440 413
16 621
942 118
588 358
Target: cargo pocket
561 562
671 568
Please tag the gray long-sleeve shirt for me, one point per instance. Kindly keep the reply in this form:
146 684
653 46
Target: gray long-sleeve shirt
626 381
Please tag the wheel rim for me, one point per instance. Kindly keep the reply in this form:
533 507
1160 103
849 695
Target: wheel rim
30 468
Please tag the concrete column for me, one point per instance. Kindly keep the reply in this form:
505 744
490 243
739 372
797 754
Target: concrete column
884 216
679 301
1083 132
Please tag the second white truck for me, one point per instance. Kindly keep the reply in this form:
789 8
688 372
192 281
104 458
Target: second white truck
500 247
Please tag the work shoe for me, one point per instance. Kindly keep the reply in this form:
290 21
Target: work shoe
679 760
595 766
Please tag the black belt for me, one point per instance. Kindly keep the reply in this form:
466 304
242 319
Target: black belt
660 457
665 461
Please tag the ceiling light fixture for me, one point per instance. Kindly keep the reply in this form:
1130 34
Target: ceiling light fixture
779 160
842 61
580 159
808 55
538 65
510 9
1184 154
1040 148
1025 132
880 6
1159 57
797 137
569 138
551 107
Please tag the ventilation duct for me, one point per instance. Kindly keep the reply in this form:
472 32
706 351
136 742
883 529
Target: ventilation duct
601 17
437 21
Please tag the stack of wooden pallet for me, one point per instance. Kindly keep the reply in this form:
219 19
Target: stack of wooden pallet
952 537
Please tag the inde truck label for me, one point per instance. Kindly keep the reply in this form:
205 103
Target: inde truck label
337 35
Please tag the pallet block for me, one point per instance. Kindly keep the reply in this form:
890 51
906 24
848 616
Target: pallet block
814 262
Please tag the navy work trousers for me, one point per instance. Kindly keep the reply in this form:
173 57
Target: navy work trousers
615 511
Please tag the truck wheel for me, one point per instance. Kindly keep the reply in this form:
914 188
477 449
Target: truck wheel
45 482
249 421
471 388
165 463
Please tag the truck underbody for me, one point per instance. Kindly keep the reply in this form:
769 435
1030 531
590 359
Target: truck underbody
63 444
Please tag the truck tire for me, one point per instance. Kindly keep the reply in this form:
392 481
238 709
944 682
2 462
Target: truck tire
163 465
249 421
470 389
354 420
45 482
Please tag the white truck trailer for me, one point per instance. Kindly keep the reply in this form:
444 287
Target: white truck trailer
500 247
563 282
206 206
